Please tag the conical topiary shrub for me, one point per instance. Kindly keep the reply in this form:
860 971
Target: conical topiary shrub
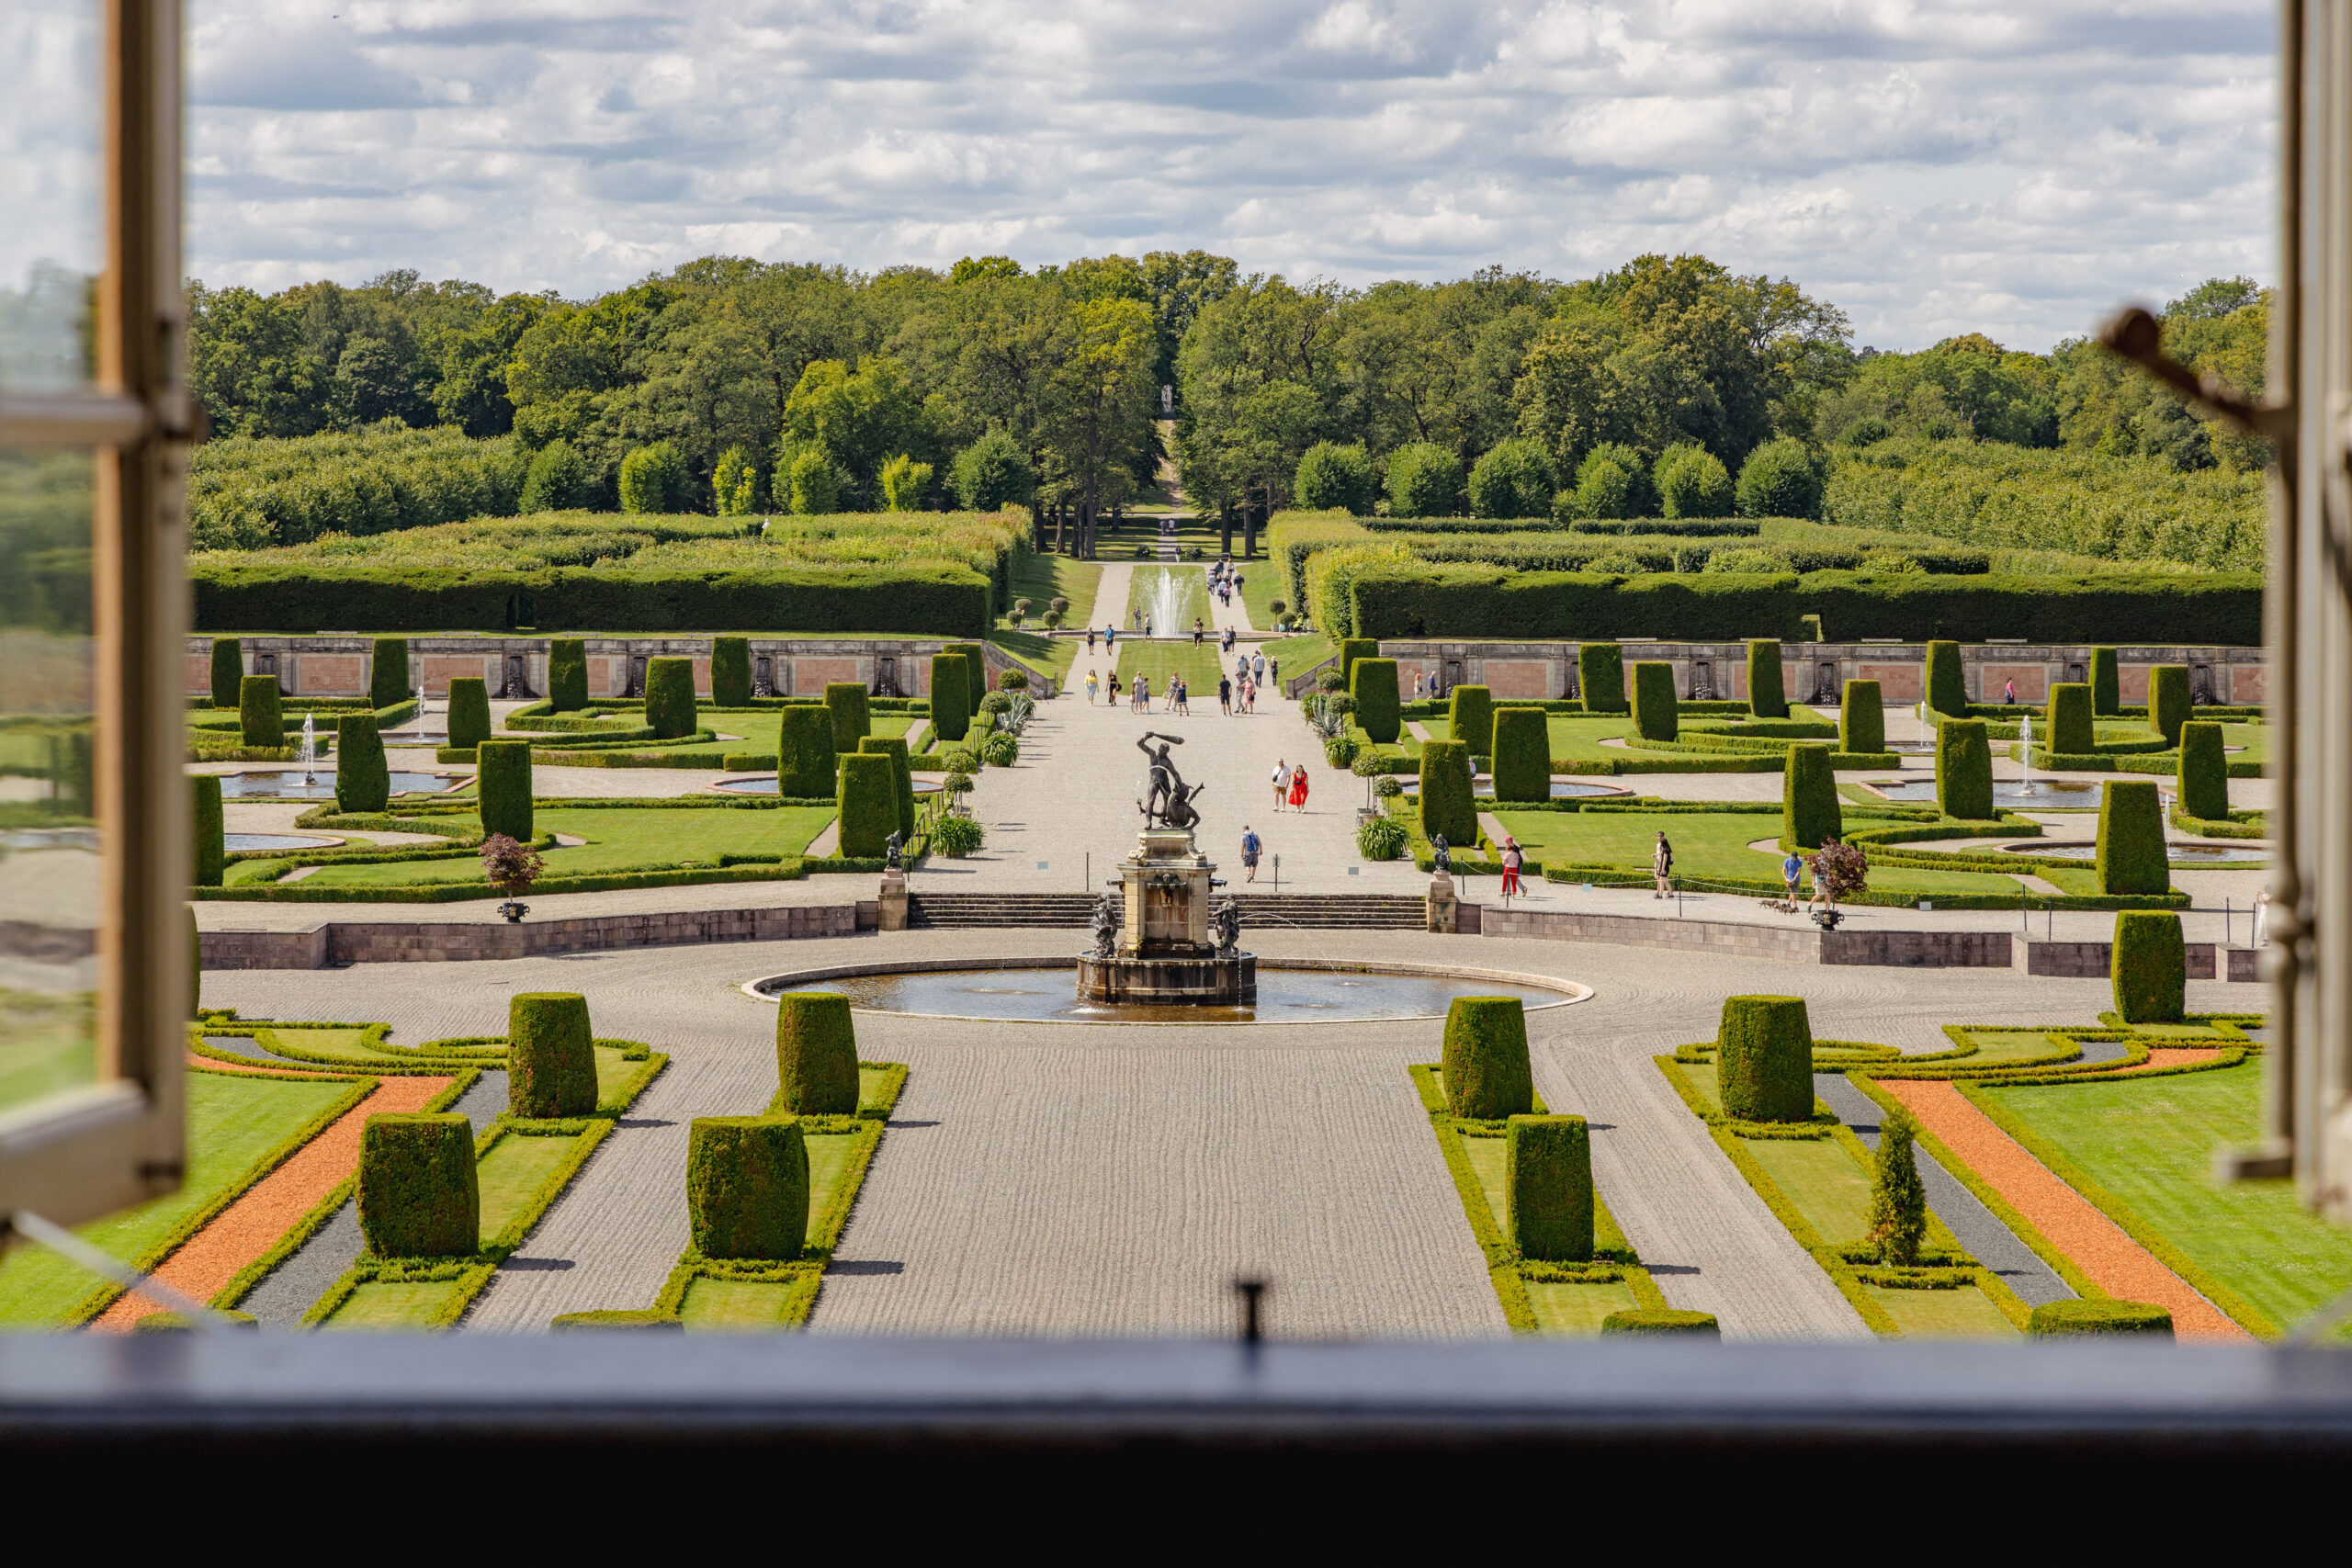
816 1054
1522 753
1767 696
2204 771
804 752
1372 684
1861 718
2148 965
2071 732
1448 803
228 670
852 723
551 1055
1963 770
1947 680
1764 1059
2168 700
388 672
1547 1187
1471 717
419 1193
1486 1070
747 1186
951 706
211 843
976 674
567 674
362 780
868 805
670 697
469 710
1810 816
1353 648
261 713
1656 714
2132 857
895 748
2106 683
730 671
1600 676
502 786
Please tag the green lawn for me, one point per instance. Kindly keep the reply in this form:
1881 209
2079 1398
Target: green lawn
1705 846
1576 1309
2150 1143
1298 654
1964 1313
620 838
1161 659
755 729
1043 578
379 1306
512 1174
1261 584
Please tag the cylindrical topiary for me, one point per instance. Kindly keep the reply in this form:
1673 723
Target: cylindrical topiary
2204 771
852 724
869 804
1372 684
194 964
975 671
362 780
419 1195
551 1055
804 752
1485 1069
1767 696
2167 700
2074 1316
816 1054
2106 683
2149 965
1661 1320
1656 714
1764 1059
1861 718
1353 648
1522 763
1810 814
670 697
1447 805
1600 676
211 843
1963 770
388 672
261 713
1547 1187
567 673
895 748
228 672
2070 731
1471 717
951 706
503 785
747 1186
730 671
469 710
2132 857
1946 680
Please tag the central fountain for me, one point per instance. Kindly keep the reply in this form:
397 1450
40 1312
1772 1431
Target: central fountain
1157 940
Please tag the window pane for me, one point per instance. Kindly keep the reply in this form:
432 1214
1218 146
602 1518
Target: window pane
49 841
51 244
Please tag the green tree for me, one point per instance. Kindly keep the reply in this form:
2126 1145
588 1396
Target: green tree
735 484
1898 1199
1781 478
558 481
653 479
992 472
1512 479
1331 475
906 484
1424 480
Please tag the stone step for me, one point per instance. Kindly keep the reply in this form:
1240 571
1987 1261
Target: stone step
1363 911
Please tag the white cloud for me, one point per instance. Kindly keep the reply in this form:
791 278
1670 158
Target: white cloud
2010 167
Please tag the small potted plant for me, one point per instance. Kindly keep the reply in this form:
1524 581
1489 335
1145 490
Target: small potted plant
1839 869
513 867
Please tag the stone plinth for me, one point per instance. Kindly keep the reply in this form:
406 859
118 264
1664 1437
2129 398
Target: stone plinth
1443 907
893 901
1169 982
1165 885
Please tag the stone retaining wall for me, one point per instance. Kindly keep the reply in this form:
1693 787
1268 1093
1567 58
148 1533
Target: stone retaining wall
1793 945
2095 960
403 942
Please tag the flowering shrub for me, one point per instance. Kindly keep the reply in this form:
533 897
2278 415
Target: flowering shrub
1840 869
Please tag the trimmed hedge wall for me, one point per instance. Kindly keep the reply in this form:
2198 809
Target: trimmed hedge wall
1963 770
2132 856
502 784
1447 805
869 804
2081 1316
228 672
1655 714
1600 677
1353 648
2070 727
551 1055
1486 1072
2149 965
1861 718
1372 684
1522 765
2204 770
567 674
1661 1320
730 671
2167 700
816 1053
951 706
1767 697
1547 1187
804 763
747 1186
363 781
851 721
211 847
1764 1059
469 710
1470 715
2106 683
419 1195
1946 680
895 748
388 672
1810 816
261 713
670 710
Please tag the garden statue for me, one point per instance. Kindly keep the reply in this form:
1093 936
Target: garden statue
1106 926
1228 924
1168 799
890 852
1441 857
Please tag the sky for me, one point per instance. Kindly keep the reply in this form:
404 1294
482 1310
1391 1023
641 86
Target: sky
2015 167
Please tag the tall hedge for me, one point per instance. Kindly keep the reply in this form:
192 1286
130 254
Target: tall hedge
1372 684
2167 700
2132 857
1353 648
469 710
1766 692
1946 680
1522 765
895 748
2106 683
951 707
388 672
851 721
419 1193
730 671
211 849
1764 1059
976 674
1963 770
2070 728
1547 1187
1471 717
670 697
228 670
363 782
261 713
1810 816
2204 770
804 752
1600 676
567 673
551 1055
816 1053
1485 1068
869 804
2149 965
1656 714
503 783
747 1186
1861 718
1449 806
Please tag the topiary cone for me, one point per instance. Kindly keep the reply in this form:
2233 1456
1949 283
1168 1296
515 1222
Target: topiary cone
1372 684
1656 714
805 763
1810 814
950 704
419 1193
551 1055
363 782
1522 765
388 672
868 805
211 847
1471 717
670 697
2167 700
503 788
2132 855
1600 676
469 710
730 671
2070 730
1946 680
816 1054
228 670
852 724
1547 1187
895 748
1448 803
1964 770
747 1186
261 714
1485 1068
1861 719
1767 696
1764 1059
2148 965
2204 771
2106 684
567 673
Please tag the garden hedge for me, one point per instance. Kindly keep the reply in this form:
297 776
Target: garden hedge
1661 1320
1470 717
1861 718
2204 771
261 713
869 804
2076 1316
2149 965
1522 765
1447 805
388 672
1372 684
419 1195
228 670
2071 728
670 710
1946 680
1547 1187
469 710
1764 1059
2132 857
1963 770
895 748
1485 1068
730 672
851 721
816 1053
551 1055
211 850
1810 816
1600 677
1353 648
567 674
503 783
951 705
976 675
1655 714
363 782
1767 694
805 763
747 1186
2106 682
2167 700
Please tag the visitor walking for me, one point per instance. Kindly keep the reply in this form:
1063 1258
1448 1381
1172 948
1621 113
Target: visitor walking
1147 626
1138 620
1225 694
1249 847
1196 631
1299 787
1792 873
1282 783
1249 696
1511 862
1274 671
1090 683
1139 695
1109 637
1115 685
1662 865
1418 680
1258 668
2009 693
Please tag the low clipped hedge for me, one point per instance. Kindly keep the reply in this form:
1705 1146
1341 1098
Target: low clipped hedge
261 714
747 1186
1471 717
853 721
2081 1316
1655 717
1764 1059
806 763
1373 683
1963 770
1767 697
1600 677
951 704
567 674
2070 720
1547 1187
2149 965
503 785
1522 765
550 1057
228 672
1661 1320
211 841
1861 718
895 748
469 710
670 709
363 780
419 1195
1486 1072
388 672
868 804
1449 805
2132 857
2106 683
730 671
2204 770
1810 813
1946 680
2167 701
816 1053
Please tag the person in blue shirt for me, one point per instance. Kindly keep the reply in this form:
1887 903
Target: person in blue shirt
1792 872
1249 847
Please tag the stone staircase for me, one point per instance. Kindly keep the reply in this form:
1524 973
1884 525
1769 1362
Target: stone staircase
1332 911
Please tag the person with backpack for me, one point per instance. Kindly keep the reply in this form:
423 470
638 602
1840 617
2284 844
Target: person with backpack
1249 847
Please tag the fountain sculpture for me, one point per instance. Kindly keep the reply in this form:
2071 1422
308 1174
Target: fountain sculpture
1157 940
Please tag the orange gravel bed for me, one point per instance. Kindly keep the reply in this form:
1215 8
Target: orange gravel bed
2170 1056
2093 1243
251 1226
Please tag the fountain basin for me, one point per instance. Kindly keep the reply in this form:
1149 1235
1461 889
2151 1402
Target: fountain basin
1169 982
253 843
2046 793
416 738
1562 789
766 783
291 783
2186 856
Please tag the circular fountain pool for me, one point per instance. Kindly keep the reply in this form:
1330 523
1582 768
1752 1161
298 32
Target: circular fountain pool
1562 789
2185 855
765 784
292 784
252 843
2026 793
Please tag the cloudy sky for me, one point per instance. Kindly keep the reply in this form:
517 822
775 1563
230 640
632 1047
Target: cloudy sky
2015 166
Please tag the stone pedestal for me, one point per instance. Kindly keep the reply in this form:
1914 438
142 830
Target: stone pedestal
1443 910
1167 951
893 901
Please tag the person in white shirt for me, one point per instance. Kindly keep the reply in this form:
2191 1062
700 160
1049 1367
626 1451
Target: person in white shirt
1282 784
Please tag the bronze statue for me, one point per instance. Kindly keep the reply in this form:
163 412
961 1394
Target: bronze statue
1226 922
891 852
1441 857
1168 799
1106 926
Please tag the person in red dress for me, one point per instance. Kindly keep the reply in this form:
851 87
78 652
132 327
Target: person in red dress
1298 789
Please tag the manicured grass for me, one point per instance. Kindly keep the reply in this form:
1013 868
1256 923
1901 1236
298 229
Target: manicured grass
1964 1313
1822 1180
1705 846
620 838
512 1174
1296 654
2008 1048
755 729
1161 659
378 1306
719 1306
1186 585
1043 578
1576 1309
2150 1143
1261 584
